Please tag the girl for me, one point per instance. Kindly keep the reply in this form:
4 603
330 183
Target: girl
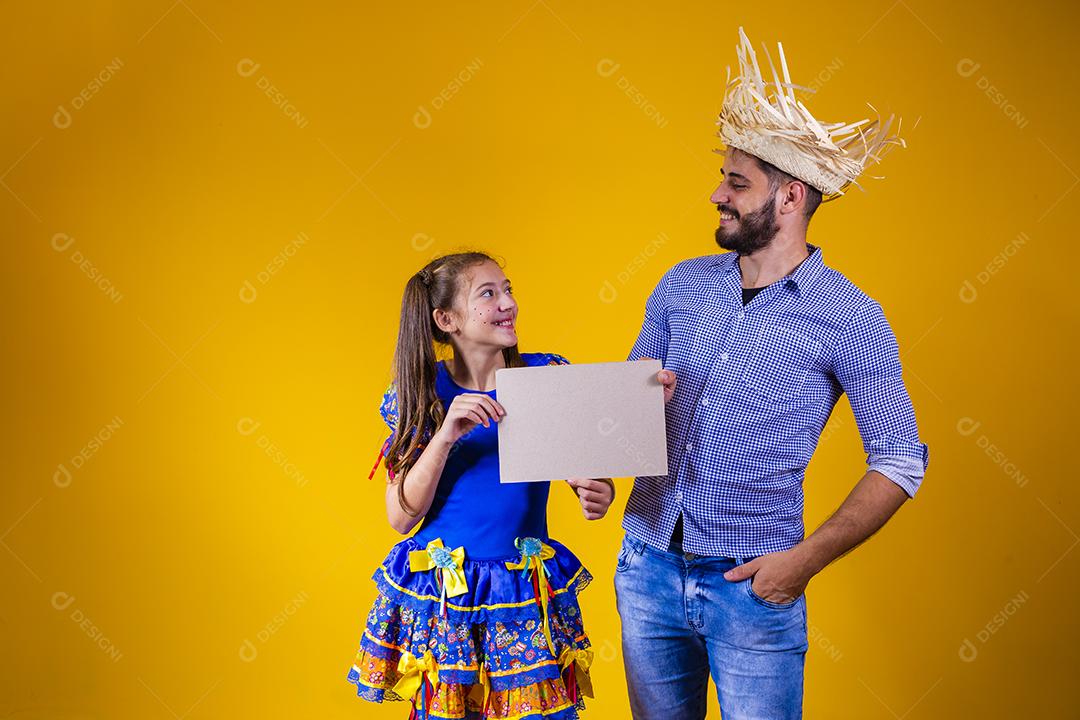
477 614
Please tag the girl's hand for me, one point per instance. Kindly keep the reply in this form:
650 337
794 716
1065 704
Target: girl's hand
466 411
596 496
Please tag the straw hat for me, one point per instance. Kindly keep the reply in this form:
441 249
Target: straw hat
765 119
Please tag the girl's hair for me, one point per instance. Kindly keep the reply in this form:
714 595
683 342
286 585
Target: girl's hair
420 412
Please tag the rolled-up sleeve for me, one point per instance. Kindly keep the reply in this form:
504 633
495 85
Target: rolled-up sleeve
652 341
866 363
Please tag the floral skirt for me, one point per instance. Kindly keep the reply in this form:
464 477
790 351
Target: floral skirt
462 638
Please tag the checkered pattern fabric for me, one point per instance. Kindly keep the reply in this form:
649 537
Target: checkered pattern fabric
756 385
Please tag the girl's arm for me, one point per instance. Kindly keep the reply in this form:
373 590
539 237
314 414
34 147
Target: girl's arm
465 412
419 483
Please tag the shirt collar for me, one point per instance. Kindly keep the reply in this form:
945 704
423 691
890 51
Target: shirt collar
800 279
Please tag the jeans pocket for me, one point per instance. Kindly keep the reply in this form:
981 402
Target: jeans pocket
767 603
626 555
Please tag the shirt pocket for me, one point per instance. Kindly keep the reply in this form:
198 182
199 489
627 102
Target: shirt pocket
780 361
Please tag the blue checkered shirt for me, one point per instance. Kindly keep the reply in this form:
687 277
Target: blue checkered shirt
756 385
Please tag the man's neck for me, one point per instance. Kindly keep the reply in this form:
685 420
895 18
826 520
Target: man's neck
475 368
774 261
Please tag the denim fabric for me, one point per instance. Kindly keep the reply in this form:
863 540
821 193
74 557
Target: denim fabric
682 621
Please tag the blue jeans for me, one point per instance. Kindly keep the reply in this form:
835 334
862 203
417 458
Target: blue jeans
682 620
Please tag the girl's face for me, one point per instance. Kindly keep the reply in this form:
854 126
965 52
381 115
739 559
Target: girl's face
485 312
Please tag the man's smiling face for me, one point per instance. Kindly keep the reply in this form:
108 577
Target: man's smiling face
747 205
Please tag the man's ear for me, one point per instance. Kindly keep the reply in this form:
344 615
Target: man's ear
794 197
444 320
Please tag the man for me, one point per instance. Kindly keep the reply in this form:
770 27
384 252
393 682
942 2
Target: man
763 341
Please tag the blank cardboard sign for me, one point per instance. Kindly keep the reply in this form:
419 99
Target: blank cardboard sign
592 420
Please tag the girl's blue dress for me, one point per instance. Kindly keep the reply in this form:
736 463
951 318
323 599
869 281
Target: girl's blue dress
477 614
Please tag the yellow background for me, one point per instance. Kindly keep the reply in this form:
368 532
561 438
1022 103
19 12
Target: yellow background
201 287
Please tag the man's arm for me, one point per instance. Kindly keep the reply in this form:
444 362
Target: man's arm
867 364
865 510
653 339
783 576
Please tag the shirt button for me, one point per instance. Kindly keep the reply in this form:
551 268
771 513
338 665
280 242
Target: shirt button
740 315
689 447
723 357
678 497
705 401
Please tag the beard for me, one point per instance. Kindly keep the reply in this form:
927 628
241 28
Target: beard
756 229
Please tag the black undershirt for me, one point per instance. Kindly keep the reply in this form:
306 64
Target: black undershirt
677 534
749 293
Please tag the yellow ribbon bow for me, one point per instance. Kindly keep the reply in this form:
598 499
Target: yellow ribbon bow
447 563
533 555
413 673
480 692
582 660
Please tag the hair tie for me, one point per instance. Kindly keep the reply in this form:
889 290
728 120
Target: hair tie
425 276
